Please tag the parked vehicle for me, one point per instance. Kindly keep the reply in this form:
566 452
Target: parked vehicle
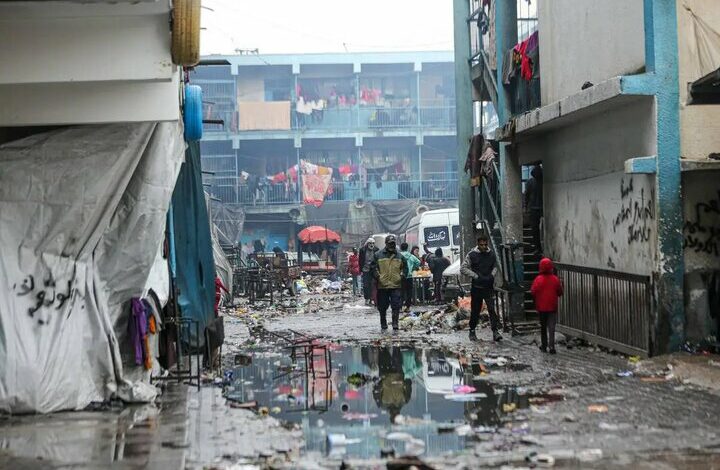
438 229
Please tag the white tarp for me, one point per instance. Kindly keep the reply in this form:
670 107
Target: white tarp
82 213
222 265
703 37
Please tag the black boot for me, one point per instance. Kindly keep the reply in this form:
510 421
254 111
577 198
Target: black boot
473 336
497 336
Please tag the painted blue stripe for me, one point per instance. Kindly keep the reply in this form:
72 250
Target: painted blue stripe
645 165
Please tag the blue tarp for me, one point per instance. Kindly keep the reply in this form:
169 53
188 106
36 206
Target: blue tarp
195 266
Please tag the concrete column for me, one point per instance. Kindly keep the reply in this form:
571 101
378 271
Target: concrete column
464 113
661 49
510 169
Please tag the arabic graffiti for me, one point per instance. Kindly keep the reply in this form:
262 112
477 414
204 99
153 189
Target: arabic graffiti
637 213
44 295
703 234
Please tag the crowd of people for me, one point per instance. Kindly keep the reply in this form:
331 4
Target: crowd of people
387 275
387 283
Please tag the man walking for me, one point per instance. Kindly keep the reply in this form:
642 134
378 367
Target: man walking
413 264
438 264
480 265
389 269
367 254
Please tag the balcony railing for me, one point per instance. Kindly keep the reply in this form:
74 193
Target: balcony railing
436 114
430 114
233 191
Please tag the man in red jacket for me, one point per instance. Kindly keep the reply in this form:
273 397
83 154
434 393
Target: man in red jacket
546 289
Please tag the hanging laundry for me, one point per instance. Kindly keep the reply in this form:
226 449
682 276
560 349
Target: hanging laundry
472 162
279 178
486 161
137 329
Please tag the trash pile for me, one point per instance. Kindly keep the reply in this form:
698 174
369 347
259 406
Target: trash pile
456 316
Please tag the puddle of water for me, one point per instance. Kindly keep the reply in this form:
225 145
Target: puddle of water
365 392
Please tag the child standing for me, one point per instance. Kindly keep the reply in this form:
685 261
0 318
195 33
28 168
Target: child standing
546 289
353 268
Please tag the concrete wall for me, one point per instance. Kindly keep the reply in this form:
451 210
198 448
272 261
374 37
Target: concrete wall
66 63
595 214
702 252
587 40
698 55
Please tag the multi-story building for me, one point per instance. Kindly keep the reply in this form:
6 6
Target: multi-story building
384 122
618 101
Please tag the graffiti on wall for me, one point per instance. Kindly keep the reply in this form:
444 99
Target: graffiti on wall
44 295
702 229
637 213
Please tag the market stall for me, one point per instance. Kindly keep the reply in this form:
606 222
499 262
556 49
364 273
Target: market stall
318 252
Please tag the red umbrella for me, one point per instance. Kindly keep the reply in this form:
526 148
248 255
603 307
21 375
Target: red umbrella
317 234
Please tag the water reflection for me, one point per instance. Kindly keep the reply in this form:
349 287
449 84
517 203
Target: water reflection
362 393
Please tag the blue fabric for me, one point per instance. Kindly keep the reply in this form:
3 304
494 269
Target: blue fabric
195 266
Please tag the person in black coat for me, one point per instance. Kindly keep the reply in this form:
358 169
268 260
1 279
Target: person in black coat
481 266
438 264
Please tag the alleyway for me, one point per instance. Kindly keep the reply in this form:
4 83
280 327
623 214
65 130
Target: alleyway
580 408
576 407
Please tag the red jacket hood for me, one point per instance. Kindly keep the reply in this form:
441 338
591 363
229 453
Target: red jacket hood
546 266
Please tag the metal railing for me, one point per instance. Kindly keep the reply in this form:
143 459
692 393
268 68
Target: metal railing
233 191
609 308
428 114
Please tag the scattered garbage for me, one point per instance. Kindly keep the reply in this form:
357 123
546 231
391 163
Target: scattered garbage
589 455
407 463
496 361
540 460
463 389
341 440
465 396
625 373
247 405
598 408
509 407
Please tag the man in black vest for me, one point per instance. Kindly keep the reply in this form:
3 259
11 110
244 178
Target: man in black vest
481 266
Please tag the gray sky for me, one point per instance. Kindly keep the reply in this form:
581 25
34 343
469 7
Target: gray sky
297 26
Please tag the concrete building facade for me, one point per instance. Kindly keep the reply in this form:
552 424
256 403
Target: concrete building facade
629 154
384 122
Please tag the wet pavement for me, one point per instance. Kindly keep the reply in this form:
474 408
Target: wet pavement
321 386
132 437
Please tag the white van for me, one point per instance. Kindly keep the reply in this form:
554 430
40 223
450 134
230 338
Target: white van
438 229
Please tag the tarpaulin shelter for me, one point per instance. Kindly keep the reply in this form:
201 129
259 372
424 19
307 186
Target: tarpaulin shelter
194 263
82 214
